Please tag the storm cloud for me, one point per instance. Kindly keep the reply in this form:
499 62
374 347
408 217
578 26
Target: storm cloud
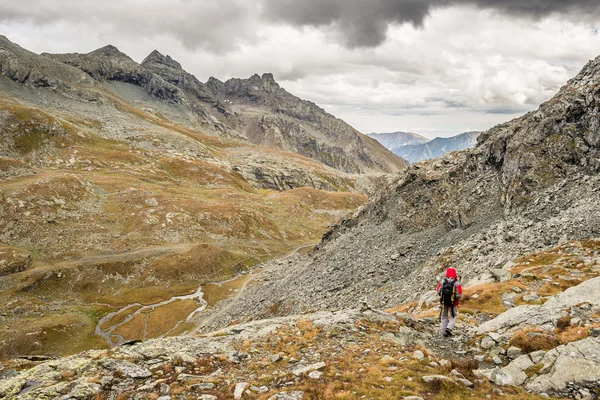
364 23
437 67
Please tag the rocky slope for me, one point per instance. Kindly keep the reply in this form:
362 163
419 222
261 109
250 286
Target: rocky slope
436 148
115 204
364 353
530 183
393 140
255 109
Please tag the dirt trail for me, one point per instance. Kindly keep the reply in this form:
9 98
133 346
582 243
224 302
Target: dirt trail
98 258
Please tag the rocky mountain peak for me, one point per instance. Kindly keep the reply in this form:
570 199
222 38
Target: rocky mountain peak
108 51
158 58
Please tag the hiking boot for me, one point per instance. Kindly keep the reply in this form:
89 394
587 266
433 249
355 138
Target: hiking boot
448 332
445 334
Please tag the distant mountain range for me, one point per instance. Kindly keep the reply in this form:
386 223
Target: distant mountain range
413 147
393 140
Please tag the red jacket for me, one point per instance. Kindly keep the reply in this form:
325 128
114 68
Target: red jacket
451 273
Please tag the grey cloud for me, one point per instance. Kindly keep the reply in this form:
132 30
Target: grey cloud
364 23
223 25
215 25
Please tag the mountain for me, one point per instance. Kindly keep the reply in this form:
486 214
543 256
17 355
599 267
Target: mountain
394 140
435 148
528 185
255 109
126 186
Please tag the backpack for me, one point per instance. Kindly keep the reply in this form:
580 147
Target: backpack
447 297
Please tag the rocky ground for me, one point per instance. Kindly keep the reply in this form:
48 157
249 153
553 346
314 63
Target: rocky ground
526 331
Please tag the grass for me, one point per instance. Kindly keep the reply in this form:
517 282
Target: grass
489 297
96 196
213 292
534 339
165 318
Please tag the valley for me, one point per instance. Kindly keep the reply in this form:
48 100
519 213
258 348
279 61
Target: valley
114 210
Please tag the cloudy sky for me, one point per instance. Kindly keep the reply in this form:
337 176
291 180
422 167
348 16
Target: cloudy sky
436 67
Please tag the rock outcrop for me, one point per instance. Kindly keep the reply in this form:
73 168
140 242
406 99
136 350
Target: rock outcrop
546 315
571 370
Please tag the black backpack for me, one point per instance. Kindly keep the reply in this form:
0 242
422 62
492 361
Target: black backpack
447 298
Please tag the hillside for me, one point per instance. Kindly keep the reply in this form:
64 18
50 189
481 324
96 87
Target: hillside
530 184
116 204
392 140
436 148
256 109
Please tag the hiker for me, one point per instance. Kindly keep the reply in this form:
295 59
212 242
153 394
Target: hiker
450 291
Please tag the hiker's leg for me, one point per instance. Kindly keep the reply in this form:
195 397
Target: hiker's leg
445 311
453 315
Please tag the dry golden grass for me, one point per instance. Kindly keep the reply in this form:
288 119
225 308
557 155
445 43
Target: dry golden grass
563 322
164 318
489 297
201 262
572 334
533 339
134 329
550 289
213 293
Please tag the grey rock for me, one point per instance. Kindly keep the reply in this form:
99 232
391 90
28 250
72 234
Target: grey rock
537 356
127 368
577 363
487 343
239 390
515 318
203 386
315 375
296 395
438 378
275 358
514 352
308 368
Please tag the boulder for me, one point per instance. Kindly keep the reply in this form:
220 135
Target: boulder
514 352
309 368
544 315
487 343
238 392
576 364
429 299
501 275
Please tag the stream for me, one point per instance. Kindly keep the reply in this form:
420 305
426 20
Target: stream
116 339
